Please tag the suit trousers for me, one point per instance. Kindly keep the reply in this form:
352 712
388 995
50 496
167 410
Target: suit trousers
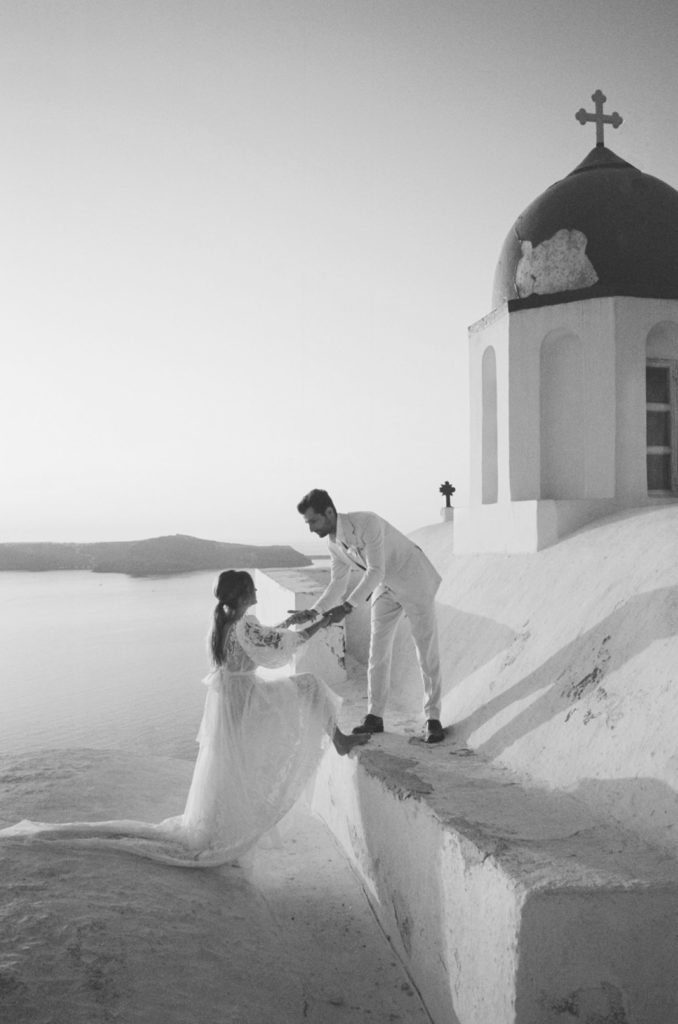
386 613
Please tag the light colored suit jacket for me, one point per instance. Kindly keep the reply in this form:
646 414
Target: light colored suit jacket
389 560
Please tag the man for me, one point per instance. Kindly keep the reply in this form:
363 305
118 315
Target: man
397 578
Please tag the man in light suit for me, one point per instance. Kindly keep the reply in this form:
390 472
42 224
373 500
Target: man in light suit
397 578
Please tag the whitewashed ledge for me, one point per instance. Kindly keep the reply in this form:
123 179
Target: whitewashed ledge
506 903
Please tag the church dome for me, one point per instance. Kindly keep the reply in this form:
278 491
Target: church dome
606 229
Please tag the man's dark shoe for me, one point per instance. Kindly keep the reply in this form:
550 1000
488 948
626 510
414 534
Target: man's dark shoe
434 731
371 723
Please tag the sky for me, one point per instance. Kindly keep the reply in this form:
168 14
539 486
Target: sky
243 241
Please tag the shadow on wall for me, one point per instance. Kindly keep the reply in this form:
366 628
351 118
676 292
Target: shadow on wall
577 670
650 806
461 635
629 936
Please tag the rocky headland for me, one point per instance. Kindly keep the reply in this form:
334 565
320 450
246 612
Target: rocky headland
157 556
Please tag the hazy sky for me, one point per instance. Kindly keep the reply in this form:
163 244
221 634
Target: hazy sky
242 241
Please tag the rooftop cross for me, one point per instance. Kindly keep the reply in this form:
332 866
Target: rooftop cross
599 117
448 490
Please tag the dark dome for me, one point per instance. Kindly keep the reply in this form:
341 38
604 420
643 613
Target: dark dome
605 229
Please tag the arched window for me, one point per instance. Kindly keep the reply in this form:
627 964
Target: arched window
489 427
661 391
562 416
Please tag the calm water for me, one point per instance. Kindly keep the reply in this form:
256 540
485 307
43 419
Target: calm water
102 661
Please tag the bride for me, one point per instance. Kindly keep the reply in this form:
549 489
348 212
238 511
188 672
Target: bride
260 743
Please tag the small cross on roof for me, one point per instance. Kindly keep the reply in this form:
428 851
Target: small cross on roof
599 117
448 490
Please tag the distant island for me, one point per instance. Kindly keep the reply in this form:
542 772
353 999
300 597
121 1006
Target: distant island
158 556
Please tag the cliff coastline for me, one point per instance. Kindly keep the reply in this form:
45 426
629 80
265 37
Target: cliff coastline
156 556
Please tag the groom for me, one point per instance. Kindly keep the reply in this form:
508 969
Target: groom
397 578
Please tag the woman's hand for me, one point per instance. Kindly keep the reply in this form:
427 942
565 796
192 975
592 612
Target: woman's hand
296 618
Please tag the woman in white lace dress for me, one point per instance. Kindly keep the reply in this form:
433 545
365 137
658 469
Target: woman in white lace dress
260 743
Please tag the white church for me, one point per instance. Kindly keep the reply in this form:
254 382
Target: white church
574 372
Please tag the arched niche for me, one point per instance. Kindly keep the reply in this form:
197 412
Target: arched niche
562 419
490 473
662 341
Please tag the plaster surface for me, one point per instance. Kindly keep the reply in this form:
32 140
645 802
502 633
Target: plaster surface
508 903
558 264
561 664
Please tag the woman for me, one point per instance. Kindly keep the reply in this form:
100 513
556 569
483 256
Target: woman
260 743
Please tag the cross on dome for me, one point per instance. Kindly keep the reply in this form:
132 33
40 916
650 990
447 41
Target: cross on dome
599 117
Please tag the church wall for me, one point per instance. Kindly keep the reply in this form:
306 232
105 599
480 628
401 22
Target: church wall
583 434
597 330
543 421
599 436
524 451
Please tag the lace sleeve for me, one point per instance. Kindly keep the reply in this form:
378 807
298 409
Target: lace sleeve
266 646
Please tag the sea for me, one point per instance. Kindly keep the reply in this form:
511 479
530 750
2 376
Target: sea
103 661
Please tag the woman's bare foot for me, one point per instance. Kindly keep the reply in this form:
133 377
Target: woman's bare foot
344 744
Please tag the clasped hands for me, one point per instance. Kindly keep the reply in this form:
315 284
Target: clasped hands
331 616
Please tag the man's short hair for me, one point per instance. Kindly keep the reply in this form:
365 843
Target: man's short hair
316 499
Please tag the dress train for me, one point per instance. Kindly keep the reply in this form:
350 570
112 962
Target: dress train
261 742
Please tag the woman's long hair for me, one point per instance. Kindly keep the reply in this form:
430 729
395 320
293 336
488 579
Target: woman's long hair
230 588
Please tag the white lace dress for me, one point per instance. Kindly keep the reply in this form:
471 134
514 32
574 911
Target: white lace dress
260 743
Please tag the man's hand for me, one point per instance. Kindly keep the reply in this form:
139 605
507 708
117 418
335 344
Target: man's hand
296 618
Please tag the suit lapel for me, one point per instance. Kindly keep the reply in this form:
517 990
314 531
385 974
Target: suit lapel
349 542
